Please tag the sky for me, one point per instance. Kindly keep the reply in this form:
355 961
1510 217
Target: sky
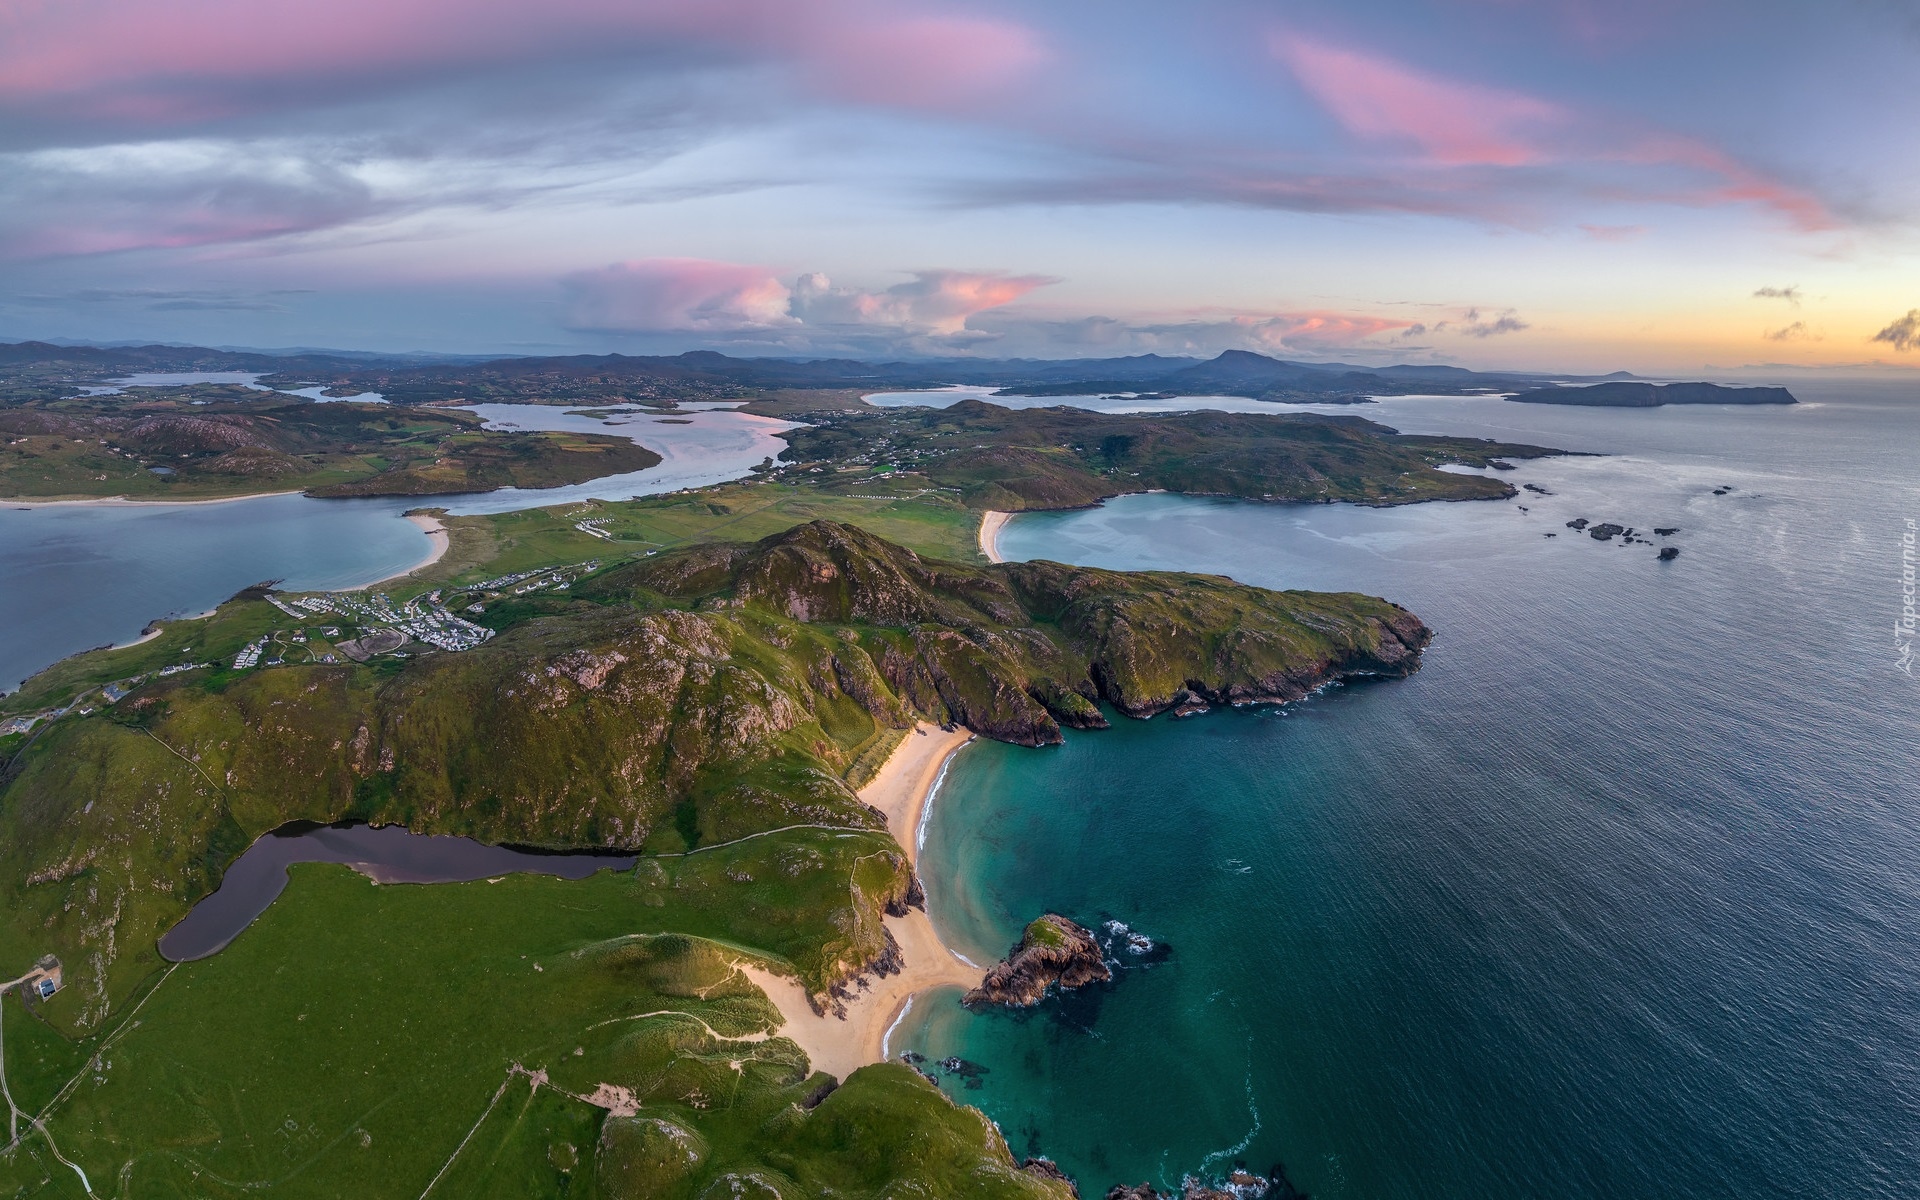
1543 184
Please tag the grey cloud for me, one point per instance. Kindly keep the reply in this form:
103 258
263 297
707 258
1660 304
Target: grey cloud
1789 333
1506 322
1904 333
1790 293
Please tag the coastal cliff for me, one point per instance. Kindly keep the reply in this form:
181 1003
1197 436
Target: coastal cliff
1052 951
693 698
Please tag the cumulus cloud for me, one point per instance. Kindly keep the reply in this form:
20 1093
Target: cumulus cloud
748 303
676 295
1795 332
937 302
1790 293
1903 334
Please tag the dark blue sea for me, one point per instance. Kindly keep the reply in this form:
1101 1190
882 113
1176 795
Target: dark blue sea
1618 897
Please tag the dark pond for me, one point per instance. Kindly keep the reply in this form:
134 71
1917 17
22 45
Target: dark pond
385 854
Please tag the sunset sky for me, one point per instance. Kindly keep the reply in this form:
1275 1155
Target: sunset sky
1578 184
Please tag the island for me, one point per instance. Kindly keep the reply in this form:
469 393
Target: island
1635 394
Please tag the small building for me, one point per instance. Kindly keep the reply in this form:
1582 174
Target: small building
45 978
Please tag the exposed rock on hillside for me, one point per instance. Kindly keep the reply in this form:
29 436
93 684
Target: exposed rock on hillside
1017 651
698 697
1053 950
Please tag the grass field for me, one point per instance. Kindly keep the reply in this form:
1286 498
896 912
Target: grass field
930 522
361 1040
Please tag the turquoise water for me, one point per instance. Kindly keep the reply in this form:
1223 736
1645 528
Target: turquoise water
1619 896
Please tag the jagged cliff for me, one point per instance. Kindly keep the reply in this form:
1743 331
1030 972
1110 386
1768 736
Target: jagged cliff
1019 650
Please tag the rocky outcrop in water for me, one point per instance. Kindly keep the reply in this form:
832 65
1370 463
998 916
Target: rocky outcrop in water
1046 1168
1239 1185
1052 950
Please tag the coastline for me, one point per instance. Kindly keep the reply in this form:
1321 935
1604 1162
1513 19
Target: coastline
991 522
123 502
436 533
901 791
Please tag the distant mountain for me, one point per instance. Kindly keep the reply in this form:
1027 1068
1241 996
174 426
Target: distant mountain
1653 395
130 359
709 374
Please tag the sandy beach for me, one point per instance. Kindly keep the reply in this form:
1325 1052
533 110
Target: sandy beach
436 534
990 525
901 791
124 502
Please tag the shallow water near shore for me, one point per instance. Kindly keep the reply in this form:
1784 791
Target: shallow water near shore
1620 895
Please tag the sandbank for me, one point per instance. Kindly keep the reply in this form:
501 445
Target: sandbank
901 790
124 502
990 525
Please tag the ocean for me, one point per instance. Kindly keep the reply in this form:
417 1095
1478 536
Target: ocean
1618 896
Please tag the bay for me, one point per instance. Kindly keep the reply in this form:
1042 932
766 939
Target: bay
1620 895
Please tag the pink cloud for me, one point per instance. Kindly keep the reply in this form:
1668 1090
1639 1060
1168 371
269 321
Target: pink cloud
924 62
1312 331
1454 124
1731 181
191 60
676 295
937 302
1450 124
697 295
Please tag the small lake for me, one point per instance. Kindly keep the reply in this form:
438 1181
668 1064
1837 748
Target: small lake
384 854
